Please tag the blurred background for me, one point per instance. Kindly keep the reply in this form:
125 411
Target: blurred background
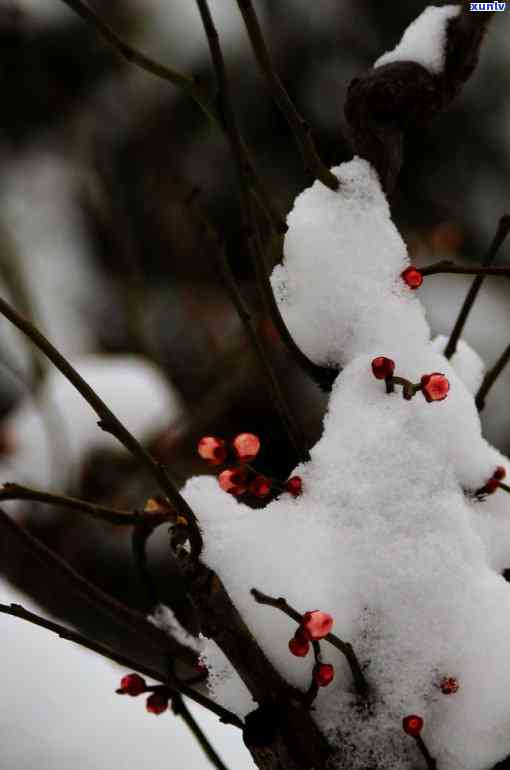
101 244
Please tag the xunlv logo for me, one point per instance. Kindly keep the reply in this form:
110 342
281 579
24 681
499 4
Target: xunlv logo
487 6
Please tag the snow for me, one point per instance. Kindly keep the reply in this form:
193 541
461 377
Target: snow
164 618
466 362
121 381
424 41
387 536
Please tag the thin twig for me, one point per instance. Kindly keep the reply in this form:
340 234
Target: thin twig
94 596
445 266
429 759
17 611
109 422
345 647
297 124
190 85
139 538
497 242
180 709
490 378
227 112
11 491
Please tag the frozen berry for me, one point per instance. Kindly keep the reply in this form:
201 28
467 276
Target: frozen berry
317 624
212 449
247 446
323 674
233 481
132 684
499 473
382 367
434 386
157 703
412 725
294 485
260 486
412 277
299 647
449 685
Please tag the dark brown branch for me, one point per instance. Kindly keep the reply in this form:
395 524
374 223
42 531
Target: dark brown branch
181 710
139 538
429 759
130 619
384 102
109 422
499 238
188 84
249 221
447 267
344 647
16 611
111 515
297 124
490 378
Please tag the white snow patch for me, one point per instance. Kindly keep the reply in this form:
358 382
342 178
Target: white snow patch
164 618
467 363
424 41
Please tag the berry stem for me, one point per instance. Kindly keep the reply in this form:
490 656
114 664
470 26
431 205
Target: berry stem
431 762
345 648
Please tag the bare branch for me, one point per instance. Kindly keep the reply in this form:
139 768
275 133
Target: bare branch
501 233
490 378
17 611
109 422
297 124
446 267
180 709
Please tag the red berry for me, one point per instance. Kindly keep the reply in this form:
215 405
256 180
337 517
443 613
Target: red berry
294 485
233 481
323 674
499 473
382 367
132 684
412 277
317 624
200 667
491 486
412 725
247 446
212 449
157 703
449 685
299 647
260 486
434 386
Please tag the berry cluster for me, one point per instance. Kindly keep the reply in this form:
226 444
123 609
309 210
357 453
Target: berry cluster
494 483
434 387
242 479
315 625
134 684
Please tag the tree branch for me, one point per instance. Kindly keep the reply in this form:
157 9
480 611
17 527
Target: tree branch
447 267
490 378
344 647
17 611
11 491
499 238
109 422
298 126
180 709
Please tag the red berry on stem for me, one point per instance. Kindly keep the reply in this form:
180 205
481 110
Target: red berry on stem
499 473
132 684
412 725
412 277
212 449
260 486
382 367
323 674
317 624
157 703
247 446
233 481
491 486
434 386
449 685
299 647
294 485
